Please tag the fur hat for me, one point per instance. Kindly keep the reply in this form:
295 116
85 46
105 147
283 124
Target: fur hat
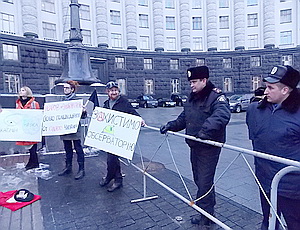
198 72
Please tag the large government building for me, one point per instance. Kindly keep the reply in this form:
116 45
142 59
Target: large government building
147 45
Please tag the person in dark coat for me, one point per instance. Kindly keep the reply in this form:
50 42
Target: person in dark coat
205 115
119 103
73 139
274 128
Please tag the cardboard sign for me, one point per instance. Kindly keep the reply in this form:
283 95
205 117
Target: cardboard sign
113 131
21 125
61 117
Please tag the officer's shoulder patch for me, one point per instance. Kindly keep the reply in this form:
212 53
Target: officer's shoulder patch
222 98
217 90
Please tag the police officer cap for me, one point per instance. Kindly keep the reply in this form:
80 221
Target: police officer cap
23 195
111 84
285 74
198 72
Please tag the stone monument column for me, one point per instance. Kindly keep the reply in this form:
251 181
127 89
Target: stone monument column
66 19
239 25
131 30
185 25
269 23
212 32
158 25
29 18
102 23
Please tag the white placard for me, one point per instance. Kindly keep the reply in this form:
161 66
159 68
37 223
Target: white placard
61 117
21 125
113 131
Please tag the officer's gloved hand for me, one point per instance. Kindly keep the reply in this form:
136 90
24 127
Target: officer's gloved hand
164 128
202 136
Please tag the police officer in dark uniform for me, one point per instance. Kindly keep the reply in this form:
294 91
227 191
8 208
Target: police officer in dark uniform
205 116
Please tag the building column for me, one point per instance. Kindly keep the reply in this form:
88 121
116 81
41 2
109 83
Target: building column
185 31
158 25
29 18
102 23
66 19
239 25
131 24
212 31
269 23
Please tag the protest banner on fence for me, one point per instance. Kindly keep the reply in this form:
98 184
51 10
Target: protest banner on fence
113 131
21 125
61 117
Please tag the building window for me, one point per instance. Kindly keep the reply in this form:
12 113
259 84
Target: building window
144 43
115 17
148 64
149 86
224 22
87 37
174 64
10 52
287 60
253 40
252 2
171 43
197 43
169 4
255 61
84 12
175 85
223 3
48 6
143 19
120 62
252 20
52 80
116 40
285 16
256 82
12 83
7 23
200 61
197 23
196 4
224 41
227 63
143 2
53 57
122 85
227 85
49 31
285 37
170 23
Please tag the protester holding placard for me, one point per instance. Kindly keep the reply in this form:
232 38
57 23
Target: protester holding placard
119 103
73 138
27 101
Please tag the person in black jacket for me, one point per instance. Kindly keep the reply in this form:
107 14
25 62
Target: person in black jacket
205 116
119 103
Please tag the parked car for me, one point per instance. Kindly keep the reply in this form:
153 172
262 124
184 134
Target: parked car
134 103
166 102
179 99
239 103
147 101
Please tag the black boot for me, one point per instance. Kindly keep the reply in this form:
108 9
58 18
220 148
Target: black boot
81 172
67 170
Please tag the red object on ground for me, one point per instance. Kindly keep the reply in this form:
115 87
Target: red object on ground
5 196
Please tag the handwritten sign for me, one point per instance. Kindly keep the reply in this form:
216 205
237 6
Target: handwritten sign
113 131
21 125
61 117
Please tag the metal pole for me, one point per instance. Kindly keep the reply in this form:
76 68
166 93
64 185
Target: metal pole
231 147
183 199
274 188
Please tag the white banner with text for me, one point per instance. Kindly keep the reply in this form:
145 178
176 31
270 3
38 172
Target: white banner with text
113 131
